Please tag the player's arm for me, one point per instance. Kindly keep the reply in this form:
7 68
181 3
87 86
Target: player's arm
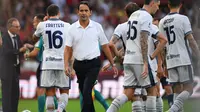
67 56
162 42
144 45
193 45
38 33
32 54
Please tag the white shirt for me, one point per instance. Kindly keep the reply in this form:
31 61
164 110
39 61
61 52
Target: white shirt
176 27
13 42
152 47
54 34
139 21
85 41
121 33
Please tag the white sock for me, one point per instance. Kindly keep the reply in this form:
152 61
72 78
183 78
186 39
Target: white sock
151 104
117 103
63 100
159 104
50 106
178 103
143 105
137 106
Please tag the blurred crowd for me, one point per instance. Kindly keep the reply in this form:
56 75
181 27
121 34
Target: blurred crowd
109 13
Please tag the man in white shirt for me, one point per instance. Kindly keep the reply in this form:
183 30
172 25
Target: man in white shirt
177 29
83 41
54 33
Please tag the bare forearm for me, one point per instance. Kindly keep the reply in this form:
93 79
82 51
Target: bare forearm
107 52
144 46
67 55
162 42
35 38
194 46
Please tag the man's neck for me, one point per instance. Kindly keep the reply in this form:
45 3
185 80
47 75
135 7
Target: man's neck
84 24
174 10
147 8
53 17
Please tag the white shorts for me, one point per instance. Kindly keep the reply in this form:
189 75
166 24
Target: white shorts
55 78
181 74
133 77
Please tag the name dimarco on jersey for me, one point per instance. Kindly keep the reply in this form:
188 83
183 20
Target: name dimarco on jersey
53 59
55 25
168 21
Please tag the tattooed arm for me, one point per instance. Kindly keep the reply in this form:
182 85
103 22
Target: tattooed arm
144 45
193 45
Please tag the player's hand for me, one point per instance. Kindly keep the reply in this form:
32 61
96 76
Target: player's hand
105 68
115 71
26 55
46 18
145 71
67 70
29 46
160 72
73 73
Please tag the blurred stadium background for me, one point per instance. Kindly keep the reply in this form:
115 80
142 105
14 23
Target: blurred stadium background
107 12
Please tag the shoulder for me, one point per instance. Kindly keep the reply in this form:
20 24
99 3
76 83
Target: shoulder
96 24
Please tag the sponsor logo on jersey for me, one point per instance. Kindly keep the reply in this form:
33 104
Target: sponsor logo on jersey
130 52
53 59
171 56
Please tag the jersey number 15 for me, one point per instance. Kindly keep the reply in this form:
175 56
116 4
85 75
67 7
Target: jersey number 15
169 31
132 26
52 37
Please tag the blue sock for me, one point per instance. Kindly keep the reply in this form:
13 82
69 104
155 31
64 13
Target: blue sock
100 98
41 103
170 99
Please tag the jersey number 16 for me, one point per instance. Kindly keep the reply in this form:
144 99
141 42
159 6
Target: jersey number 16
52 37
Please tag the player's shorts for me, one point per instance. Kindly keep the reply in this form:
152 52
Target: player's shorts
133 77
38 74
55 78
164 81
181 74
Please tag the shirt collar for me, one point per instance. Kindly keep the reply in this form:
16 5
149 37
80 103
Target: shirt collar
173 13
89 25
53 19
10 34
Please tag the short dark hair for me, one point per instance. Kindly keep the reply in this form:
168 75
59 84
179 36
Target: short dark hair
10 21
85 3
40 17
52 10
174 3
147 2
130 8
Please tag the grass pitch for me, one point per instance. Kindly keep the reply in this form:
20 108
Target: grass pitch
74 106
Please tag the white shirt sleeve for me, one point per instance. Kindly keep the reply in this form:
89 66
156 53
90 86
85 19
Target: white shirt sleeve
102 37
69 38
118 31
146 24
155 31
187 26
39 30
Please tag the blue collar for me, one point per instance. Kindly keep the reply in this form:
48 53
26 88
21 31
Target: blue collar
172 13
53 19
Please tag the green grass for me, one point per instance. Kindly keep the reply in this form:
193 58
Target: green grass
74 106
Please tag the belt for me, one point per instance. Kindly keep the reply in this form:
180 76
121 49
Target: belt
87 61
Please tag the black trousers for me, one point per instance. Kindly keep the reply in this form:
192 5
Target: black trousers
10 93
87 72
